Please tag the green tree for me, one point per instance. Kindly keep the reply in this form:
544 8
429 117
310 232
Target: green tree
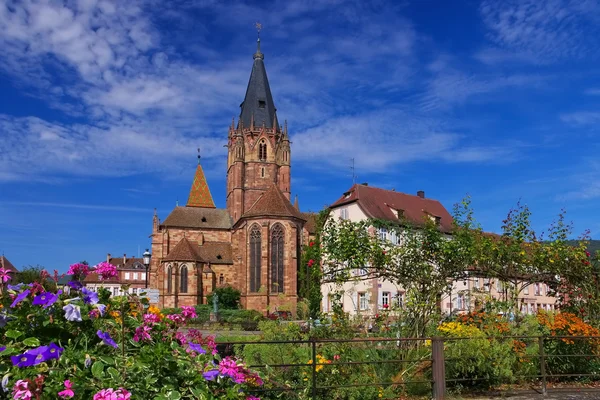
309 273
228 297
37 273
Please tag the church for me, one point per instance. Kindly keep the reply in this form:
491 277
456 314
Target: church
254 244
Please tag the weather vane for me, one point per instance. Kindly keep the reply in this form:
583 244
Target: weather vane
258 26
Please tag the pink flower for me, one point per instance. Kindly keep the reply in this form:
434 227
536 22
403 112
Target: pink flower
336 357
151 319
111 394
176 318
4 277
141 333
106 270
79 270
68 392
94 313
252 398
188 312
228 366
21 390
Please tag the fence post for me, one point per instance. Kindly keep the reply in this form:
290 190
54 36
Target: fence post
542 364
438 368
314 368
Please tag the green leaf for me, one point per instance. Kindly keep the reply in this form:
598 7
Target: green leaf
114 374
98 369
175 395
107 360
31 342
12 334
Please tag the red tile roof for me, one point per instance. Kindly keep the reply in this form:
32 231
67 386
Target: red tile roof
4 263
94 278
311 222
185 250
200 193
385 204
273 203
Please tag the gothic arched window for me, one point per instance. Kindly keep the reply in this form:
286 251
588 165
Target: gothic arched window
262 150
183 280
277 243
255 258
169 279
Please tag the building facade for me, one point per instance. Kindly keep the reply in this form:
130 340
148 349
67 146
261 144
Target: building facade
254 243
367 297
131 271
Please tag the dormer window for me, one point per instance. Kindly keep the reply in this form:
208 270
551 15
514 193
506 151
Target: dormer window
262 104
203 219
262 150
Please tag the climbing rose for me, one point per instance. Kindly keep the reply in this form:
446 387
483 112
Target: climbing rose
311 262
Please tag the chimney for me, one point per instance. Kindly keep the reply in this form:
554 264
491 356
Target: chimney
108 257
421 194
124 259
365 183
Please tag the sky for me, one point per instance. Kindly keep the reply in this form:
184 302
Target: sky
104 103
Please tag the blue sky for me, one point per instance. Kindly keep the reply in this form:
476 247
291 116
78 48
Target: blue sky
103 104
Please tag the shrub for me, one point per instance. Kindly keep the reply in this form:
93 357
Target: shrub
229 298
473 358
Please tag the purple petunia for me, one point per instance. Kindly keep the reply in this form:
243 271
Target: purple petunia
76 285
101 308
46 299
197 348
37 356
16 287
20 297
72 313
211 375
89 296
106 339
2 348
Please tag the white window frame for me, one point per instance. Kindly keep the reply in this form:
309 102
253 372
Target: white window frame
126 276
344 213
135 276
143 274
383 233
363 302
385 298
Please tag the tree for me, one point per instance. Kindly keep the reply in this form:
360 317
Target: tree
228 297
37 273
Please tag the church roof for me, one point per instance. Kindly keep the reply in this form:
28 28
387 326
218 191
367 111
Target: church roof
258 101
4 263
311 222
216 252
388 205
200 193
199 218
184 251
273 203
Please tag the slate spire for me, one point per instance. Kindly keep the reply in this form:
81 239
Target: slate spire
258 106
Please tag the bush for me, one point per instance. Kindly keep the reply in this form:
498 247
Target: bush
229 298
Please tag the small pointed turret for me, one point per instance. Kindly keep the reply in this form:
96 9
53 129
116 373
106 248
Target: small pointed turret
296 205
200 195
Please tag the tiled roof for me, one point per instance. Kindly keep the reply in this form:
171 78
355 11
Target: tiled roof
273 203
184 251
200 193
311 222
130 262
4 263
384 204
216 253
93 278
198 217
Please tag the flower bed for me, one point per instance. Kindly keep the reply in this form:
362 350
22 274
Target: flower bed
86 345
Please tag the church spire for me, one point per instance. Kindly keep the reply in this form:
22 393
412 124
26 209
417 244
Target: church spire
200 193
258 105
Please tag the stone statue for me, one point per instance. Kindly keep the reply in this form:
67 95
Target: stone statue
215 303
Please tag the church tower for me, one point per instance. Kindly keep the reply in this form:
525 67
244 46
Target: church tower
259 148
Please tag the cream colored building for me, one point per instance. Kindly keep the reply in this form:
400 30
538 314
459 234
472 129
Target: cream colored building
368 296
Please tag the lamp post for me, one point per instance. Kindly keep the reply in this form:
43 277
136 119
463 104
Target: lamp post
147 256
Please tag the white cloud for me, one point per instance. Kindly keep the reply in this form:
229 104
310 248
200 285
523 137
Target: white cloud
380 140
581 118
544 31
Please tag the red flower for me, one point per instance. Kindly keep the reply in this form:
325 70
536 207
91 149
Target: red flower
311 262
386 306
311 244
